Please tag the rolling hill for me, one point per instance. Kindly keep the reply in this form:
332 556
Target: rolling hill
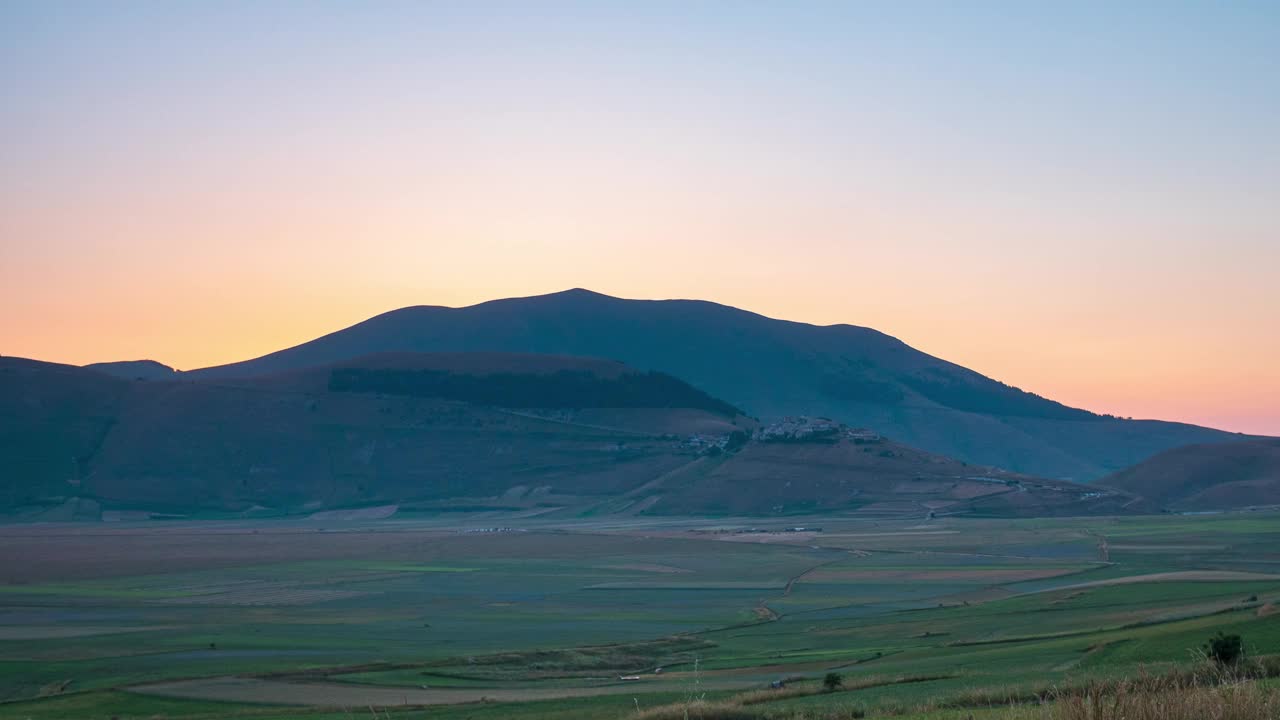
771 368
1214 476
462 431
135 369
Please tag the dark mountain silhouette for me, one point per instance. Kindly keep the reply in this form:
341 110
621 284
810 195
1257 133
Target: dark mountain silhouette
453 431
1215 476
771 368
135 369
53 420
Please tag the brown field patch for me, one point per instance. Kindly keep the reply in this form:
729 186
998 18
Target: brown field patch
1166 548
645 567
969 491
380 512
53 632
1184 576
897 533
266 594
339 695
986 575
770 537
986 594
921 487
51 553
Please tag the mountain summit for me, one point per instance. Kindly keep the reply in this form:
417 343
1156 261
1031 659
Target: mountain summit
770 368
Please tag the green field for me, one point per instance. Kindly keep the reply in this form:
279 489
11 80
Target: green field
431 619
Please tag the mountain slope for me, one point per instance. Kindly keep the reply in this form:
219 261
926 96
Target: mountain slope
426 433
771 368
292 440
876 476
1215 476
53 420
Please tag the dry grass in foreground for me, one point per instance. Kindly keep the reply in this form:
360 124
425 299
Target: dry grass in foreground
1245 701
698 710
1143 698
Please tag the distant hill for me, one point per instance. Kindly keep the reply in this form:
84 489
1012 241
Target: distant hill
135 369
455 431
1216 476
877 477
771 368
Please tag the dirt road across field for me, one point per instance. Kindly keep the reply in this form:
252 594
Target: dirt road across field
1183 576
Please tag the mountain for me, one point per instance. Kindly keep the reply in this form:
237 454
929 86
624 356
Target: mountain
771 368
462 431
135 369
1215 476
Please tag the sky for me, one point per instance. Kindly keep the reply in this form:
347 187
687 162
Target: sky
1080 199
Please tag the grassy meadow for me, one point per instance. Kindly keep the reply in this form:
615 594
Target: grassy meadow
469 616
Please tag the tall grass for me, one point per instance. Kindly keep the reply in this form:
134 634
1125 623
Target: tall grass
1242 701
1204 674
698 710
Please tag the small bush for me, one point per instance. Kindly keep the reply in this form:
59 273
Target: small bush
832 682
1225 649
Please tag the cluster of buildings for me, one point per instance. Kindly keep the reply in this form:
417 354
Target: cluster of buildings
789 429
810 429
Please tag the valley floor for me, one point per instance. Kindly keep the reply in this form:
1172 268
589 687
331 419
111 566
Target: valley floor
467 615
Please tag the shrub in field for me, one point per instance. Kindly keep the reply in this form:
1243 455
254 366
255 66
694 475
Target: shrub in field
832 682
1225 649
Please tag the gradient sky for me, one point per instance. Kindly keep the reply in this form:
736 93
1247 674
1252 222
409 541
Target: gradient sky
1081 199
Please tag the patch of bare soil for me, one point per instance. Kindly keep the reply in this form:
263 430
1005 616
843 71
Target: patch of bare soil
50 553
380 512
49 632
646 567
989 576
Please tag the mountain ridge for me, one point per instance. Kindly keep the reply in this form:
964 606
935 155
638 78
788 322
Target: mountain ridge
771 368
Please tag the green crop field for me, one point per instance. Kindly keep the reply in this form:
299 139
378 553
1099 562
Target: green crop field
435 619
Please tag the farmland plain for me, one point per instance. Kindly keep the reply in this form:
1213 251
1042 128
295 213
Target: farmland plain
484 615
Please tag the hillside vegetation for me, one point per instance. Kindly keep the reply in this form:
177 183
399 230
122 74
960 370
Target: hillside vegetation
563 388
